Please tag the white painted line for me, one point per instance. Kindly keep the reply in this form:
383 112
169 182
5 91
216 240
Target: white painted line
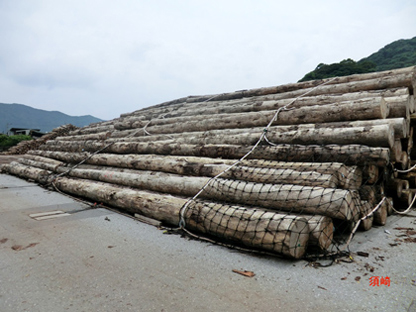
41 214
52 216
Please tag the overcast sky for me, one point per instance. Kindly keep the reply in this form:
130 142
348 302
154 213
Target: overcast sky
106 57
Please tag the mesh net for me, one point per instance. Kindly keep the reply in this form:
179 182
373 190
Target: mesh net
236 183
296 209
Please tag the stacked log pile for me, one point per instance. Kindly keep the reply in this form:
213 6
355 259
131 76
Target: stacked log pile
287 169
24 146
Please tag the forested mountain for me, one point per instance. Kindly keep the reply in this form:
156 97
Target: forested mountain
398 54
23 116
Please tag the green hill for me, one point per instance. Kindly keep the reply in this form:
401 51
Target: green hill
398 54
23 116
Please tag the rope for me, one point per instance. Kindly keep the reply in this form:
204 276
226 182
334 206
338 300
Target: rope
405 171
100 150
408 208
184 208
359 221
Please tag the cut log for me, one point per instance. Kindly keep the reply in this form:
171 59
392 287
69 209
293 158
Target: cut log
321 230
396 187
399 106
370 173
371 108
401 128
380 215
325 201
26 172
396 151
261 103
243 173
346 84
348 154
354 177
283 234
365 209
88 130
376 136
329 202
368 193
198 166
390 203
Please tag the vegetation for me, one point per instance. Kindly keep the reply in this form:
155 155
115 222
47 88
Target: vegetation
7 141
344 68
399 54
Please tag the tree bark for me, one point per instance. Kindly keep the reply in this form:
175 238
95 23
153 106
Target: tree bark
380 215
325 201
370 108
400 126
261 103
202 166
283 234
376 136
348 154
365 209
347 84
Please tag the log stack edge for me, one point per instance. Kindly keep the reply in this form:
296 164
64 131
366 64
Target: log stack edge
338 148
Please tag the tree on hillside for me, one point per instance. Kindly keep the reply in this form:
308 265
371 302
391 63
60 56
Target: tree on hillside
398 54
344 68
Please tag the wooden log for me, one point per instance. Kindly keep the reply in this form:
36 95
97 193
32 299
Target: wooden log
321 231
156 181
335 203
370 173
354 178
368 193
380 215
399 106
325 201
365 209
283 234
400 126
89 130
377 136
380 136
406 196
260 103
412 102
390 203
396 187
407 142
370 108
202 166
410 177
26 172
275 176
396 151
404 161
346 84
348 154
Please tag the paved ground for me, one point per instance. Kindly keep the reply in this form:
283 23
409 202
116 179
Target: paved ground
97 260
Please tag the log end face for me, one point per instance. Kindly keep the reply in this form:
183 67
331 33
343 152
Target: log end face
297 239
